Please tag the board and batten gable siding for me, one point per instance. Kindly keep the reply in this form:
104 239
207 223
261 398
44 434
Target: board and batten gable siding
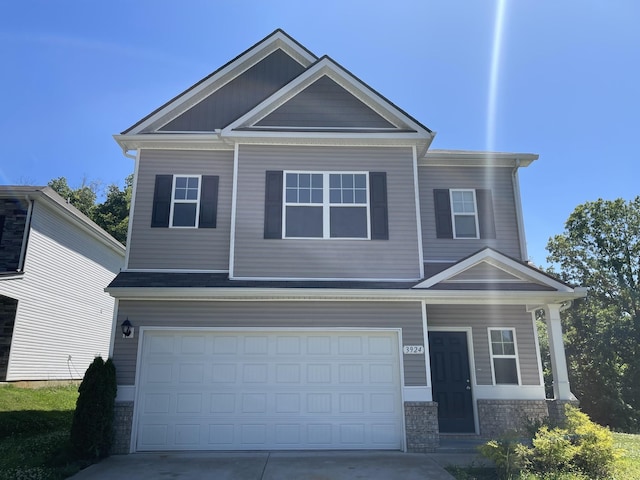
324 103
499 181
480 318
64 317
395 258
240 95
265 315
181 248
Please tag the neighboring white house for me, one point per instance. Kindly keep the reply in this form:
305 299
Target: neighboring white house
54 265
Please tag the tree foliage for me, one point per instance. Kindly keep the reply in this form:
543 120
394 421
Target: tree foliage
112 215
600 249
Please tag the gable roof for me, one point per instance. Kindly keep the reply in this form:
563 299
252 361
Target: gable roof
490 269
254 95
50 198
278 40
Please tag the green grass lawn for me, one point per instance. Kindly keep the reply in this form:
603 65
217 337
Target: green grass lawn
34 432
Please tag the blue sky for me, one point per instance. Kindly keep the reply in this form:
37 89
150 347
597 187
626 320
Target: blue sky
560 79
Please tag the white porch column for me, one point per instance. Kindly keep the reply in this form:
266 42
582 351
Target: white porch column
561 388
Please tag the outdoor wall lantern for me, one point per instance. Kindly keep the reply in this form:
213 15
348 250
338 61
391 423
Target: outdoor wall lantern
127 329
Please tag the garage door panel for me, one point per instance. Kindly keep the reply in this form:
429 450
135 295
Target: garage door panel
292 390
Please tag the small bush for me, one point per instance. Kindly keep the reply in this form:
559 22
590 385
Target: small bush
507 454
581 450
91 429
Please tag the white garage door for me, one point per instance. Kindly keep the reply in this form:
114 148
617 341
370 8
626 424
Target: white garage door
273 391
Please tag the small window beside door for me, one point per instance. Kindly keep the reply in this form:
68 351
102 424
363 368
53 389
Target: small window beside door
504 356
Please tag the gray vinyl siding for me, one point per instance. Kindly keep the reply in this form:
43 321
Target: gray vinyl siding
324 103
396 258
181 248
240 95
264 315
499 181
481 317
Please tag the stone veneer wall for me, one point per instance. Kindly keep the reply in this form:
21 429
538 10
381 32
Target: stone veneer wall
556 410
13 215
497 417
122 423
8 307
421 422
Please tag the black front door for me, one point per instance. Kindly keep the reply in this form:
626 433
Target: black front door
451 381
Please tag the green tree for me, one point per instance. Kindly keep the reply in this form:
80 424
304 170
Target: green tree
600 249
113 214
83 198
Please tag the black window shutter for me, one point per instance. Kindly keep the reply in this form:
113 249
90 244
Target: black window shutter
162 201
485 213
2 217
442 202
378 206
273 205
208 201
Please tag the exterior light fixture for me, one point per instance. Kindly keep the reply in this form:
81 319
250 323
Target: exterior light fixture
127 329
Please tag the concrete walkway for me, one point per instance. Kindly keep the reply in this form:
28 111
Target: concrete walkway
369 465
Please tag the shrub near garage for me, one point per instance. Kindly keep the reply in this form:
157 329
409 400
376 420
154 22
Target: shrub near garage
91 430
581 450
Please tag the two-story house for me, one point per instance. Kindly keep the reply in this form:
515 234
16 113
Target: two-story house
55 316
303 272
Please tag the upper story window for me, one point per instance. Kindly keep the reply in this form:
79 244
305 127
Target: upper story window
464 213
185 201
504 357
326 205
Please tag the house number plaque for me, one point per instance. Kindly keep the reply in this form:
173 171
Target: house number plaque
413 349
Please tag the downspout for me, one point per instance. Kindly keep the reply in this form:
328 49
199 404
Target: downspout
25 234
519 214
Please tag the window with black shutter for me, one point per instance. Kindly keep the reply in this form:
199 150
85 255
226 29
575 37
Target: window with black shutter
464 213
185 201
302 204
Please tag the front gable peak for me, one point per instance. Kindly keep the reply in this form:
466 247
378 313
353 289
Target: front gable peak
490 269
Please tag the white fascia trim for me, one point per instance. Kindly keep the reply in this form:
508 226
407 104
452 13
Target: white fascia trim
325 279
470 158
357 295
509 392
172 270
329 68
417 394
499 261
228 73
173 141
126 393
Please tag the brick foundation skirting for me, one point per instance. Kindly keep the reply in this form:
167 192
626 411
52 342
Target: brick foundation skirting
122 423
421 422
497 417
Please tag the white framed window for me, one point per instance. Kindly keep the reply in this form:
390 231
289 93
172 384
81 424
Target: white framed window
464 213
326 205
185 201
505 367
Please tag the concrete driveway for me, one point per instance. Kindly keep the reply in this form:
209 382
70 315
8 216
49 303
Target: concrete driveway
341 465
